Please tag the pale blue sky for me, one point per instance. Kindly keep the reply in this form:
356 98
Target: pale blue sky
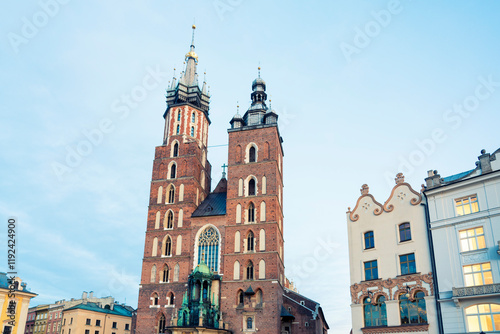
344 121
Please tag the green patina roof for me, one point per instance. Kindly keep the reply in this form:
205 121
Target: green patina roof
202 268
117 309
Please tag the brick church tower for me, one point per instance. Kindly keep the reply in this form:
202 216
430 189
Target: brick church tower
214 261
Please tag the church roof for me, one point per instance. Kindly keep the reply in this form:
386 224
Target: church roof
213 205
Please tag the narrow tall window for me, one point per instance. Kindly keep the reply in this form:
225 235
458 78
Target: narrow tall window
251 213
251 154
192 131
161 324
251 187
371 270
478 274
178 129
240 298
466 205
168 247
176 150
171 298
259 297
178 115
166 272
249 323
171 194
407 263
404 232
250 242
193 117
412 311
176 272
173 170
155 302
472 239
153 279
483 318
170 220
369 241
160 194
250 270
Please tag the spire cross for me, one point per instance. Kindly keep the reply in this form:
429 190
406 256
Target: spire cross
224 170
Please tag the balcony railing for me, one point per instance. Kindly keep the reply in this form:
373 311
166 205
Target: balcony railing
476 290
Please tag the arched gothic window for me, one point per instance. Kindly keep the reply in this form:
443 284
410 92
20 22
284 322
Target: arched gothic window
166 272
251 187
375 314
153 274
155 299
251 213
168 247
192 131
250 270
240 298
171 194
171 298
250 242
412 311
251 154
208 247
170 220
259 297
176 150
193 117
161 324
173 170
178 115
178 129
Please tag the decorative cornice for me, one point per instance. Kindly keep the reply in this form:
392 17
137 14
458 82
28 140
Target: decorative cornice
394 287
414 201
396 329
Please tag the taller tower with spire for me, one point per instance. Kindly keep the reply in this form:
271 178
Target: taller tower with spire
214 260
180 182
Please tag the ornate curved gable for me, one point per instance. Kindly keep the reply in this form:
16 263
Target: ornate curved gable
402 191
366 202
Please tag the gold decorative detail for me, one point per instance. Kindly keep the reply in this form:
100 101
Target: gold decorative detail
192 54
194 27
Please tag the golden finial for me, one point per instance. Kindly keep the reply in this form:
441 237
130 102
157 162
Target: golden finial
194 27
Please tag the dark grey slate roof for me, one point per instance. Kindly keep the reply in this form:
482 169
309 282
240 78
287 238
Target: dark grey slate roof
213 205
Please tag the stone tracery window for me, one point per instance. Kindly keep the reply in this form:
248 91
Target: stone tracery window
208 248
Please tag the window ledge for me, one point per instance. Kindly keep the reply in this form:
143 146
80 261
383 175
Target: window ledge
475 251
409 274
372 280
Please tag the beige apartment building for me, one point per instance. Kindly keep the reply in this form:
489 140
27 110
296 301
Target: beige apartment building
97 318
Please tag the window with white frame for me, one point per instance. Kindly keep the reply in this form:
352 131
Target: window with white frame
478 274
472 239
483 318
466 205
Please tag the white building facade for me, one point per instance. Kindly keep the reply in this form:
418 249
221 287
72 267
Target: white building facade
464 214
392 286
